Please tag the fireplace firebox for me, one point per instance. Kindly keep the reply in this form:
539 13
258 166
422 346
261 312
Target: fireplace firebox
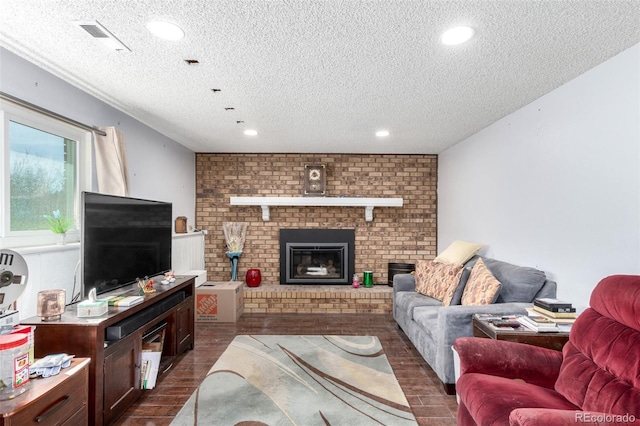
317 256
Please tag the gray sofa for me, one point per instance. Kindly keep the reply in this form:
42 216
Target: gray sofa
432 328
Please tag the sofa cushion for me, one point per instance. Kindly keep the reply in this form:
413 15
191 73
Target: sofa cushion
519 283
421 275
437 280
427 319
482 287
456 298
458 252
407 301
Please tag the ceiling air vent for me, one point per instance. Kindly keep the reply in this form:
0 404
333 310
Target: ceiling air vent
97 31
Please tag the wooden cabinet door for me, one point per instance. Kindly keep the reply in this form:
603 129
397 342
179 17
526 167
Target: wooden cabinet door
122 376
184 326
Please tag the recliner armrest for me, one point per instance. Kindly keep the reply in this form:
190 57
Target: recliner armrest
532 364
553 417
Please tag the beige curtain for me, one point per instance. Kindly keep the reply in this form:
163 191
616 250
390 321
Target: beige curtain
111 162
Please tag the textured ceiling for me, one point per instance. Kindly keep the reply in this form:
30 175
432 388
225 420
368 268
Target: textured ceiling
321 76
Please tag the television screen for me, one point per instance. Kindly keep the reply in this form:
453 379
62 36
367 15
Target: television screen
123 239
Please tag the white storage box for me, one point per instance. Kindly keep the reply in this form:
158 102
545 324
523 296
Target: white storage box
201 275
89 309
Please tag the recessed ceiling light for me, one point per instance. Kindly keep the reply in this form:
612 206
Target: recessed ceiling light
382 133
251 132
457 35
165 30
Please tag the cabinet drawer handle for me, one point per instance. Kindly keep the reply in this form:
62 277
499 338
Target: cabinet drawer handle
58 405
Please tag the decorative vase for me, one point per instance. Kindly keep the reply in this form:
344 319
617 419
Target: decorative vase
61 239
234 256
253 277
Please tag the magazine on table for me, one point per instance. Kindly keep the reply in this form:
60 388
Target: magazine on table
123 301
500 322
539 324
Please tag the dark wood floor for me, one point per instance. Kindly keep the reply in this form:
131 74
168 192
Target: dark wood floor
430 404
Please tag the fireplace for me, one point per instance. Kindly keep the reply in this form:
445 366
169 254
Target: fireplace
317 256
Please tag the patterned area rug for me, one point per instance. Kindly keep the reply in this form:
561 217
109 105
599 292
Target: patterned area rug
299 380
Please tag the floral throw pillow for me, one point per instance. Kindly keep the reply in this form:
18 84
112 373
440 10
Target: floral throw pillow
437 280
482 287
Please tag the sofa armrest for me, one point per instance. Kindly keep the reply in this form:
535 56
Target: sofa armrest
532 364
549 289
404 282
553 417
457 320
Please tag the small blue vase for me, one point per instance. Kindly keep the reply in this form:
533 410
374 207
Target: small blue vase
233 258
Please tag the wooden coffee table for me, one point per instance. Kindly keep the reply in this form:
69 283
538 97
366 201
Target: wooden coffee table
555 340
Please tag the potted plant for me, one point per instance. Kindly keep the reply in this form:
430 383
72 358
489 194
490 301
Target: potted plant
59 225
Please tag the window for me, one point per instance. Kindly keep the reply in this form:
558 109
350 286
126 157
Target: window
46 164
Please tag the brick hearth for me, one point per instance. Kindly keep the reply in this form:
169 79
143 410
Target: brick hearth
307 299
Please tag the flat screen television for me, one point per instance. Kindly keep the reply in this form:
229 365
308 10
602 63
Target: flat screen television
123 239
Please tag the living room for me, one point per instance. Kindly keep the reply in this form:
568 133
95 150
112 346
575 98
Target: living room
554 185
553 202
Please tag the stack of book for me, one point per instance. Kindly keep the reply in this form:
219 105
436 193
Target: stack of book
151 355
555 311
123 301
559 311
538 323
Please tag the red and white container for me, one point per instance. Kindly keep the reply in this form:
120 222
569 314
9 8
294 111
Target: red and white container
14 365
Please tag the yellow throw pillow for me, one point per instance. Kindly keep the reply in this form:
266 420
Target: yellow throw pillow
437 280
482 287
458 252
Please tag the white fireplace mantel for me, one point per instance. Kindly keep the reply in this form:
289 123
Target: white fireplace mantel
367 203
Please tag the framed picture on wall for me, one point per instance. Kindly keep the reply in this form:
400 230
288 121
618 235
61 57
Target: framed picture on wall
315 180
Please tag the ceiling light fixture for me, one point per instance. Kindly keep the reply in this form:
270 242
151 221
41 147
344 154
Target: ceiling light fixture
99 32
165 30
457 35
382 133
251 132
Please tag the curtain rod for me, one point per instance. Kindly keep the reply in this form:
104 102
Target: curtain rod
52 114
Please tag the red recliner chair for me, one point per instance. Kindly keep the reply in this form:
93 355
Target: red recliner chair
594 380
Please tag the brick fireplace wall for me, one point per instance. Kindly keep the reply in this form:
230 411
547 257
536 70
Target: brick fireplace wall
396 234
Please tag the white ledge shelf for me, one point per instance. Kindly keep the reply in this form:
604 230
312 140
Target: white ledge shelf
367 203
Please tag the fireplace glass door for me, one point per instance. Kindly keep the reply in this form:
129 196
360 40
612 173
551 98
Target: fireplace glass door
317 263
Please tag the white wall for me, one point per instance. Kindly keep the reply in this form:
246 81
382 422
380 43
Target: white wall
160 168
555 185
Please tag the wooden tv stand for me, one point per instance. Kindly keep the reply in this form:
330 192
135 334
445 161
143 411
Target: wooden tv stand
114 371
